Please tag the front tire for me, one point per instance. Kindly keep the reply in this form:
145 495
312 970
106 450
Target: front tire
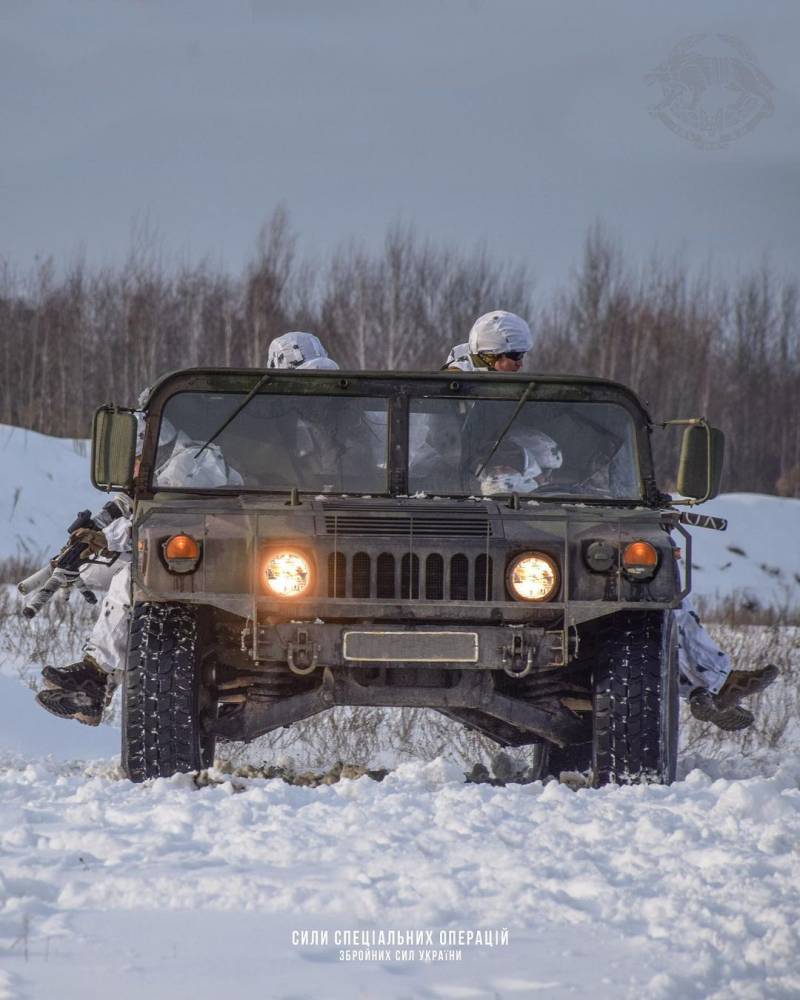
161 733
635 699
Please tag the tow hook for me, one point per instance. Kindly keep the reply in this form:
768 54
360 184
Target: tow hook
517 662
302 654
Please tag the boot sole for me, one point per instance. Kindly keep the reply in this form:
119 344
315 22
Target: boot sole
730 719
53 682
769 676
86 720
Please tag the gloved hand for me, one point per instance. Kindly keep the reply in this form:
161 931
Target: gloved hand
95 542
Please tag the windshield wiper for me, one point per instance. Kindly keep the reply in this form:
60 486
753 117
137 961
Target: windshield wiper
522 401
261 382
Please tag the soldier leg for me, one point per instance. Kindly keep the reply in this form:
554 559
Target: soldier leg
702 663
107 644
82 690
708 679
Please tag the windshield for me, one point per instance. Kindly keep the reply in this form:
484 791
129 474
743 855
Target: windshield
551 449
316 443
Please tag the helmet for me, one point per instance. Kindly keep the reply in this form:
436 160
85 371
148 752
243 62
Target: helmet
326 362
499 332
291 350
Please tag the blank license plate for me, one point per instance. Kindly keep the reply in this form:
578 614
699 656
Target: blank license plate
411 647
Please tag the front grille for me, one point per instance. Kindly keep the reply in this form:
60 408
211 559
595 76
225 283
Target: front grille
425 521
410 577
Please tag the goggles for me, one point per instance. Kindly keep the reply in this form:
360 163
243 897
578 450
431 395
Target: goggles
513 355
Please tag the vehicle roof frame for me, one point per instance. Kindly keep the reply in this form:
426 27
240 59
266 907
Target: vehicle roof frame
399 387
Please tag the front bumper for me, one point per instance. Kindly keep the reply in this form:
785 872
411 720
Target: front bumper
307 646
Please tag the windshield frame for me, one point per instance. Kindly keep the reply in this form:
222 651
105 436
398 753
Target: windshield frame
399 388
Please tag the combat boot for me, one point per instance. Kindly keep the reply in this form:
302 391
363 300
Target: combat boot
71 705
704 706
743 683
84 676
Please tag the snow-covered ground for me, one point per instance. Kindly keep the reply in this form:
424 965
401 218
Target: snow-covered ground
216 887
171 890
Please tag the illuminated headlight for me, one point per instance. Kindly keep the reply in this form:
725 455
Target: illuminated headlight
287 574
533 577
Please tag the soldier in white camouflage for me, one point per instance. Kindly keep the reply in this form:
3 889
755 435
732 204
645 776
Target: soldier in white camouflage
498 341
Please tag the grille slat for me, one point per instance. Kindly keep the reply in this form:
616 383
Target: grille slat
362 571
459 578
434 577
337 578
483 578
409 578
385 583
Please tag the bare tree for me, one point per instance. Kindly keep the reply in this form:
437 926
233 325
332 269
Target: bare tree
688 344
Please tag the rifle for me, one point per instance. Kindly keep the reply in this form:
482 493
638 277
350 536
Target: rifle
62 572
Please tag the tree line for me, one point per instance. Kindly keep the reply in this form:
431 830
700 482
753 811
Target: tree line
689 344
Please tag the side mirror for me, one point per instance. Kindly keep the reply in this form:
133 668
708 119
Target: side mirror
700 466
113 448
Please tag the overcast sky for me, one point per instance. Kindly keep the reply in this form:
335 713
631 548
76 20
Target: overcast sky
518 122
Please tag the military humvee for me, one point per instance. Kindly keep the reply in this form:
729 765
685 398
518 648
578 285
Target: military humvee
305 540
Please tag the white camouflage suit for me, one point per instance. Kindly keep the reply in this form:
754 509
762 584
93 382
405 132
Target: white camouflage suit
702 663
107 644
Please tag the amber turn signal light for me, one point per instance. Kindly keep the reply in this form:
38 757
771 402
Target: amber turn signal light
640 560
181 553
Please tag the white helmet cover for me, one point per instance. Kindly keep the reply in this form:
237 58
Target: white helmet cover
291 350
326 363
499 332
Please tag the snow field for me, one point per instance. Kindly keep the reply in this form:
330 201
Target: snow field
695 889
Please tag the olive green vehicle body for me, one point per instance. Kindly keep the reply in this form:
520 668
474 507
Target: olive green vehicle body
465 647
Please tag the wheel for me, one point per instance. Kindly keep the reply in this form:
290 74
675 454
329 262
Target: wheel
161 733
635 700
